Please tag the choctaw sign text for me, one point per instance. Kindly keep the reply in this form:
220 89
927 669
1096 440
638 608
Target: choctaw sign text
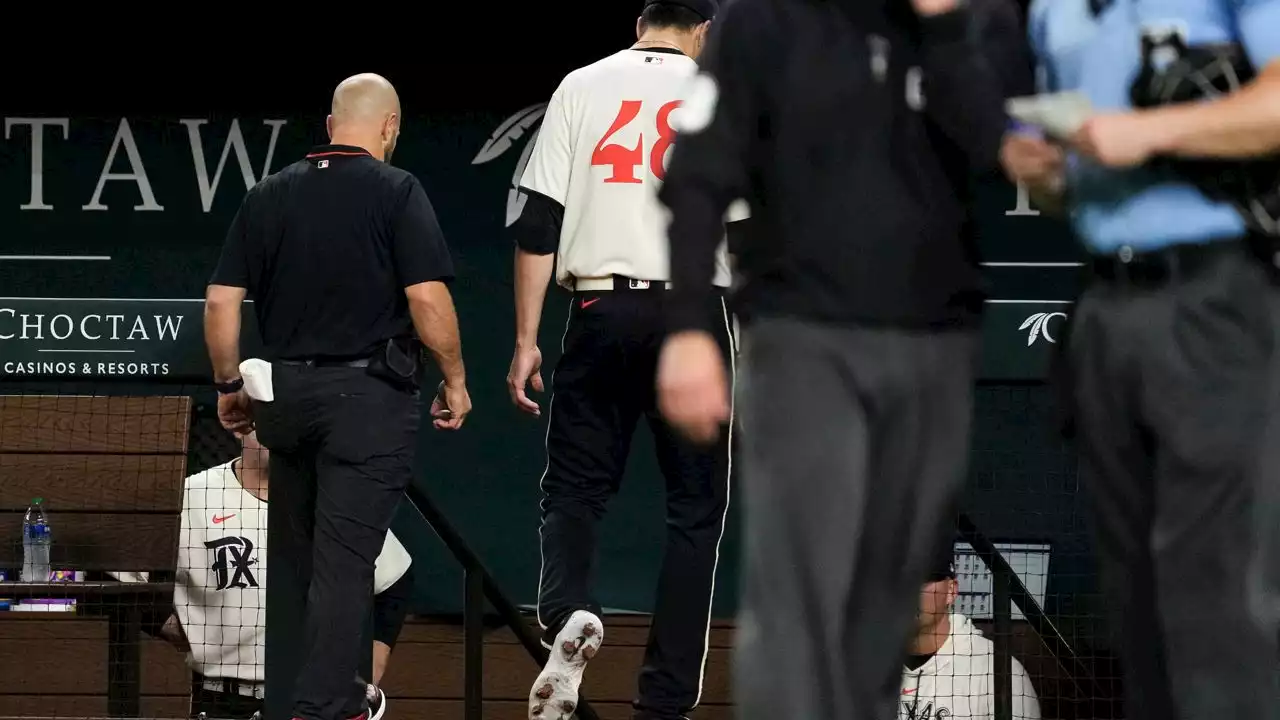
110 226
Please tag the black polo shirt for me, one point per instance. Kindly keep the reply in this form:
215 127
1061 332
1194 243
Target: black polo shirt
326 247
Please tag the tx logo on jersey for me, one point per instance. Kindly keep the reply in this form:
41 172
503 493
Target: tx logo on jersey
1039 326
232 557
913 711
503 139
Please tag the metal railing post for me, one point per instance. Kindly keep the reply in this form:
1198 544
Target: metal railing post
477 573
1002 613
473 645
1048 633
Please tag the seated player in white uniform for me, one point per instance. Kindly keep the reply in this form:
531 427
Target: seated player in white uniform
950 666
219 599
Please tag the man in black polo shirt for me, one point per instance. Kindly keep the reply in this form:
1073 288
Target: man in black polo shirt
344 259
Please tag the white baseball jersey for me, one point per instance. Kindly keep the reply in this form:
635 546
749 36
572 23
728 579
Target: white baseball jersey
601 153
220 590
958 682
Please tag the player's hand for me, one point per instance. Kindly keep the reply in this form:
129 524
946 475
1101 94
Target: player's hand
1120 140
693 390
526 370
934 7
451 405
235 412
1033 162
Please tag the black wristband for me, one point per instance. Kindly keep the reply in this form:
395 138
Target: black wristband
229 388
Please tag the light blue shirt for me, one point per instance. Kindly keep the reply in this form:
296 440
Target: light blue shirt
1101 57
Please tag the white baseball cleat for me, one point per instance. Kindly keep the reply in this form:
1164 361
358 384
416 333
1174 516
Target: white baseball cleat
377 702
555 693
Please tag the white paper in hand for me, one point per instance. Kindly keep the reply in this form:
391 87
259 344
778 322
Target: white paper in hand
257 379
1060 115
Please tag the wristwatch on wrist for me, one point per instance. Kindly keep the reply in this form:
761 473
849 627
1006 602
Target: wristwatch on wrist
229 388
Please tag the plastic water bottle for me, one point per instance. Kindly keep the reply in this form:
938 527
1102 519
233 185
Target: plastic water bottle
37 538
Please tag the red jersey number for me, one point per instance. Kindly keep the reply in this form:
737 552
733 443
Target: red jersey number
624 161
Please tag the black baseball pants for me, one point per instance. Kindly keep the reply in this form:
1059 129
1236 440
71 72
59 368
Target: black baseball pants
342 447
1171 364
602 386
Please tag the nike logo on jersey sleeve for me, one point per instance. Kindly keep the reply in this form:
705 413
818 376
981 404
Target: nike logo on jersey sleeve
219 519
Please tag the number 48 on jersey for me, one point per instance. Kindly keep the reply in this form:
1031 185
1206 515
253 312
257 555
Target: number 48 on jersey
624 161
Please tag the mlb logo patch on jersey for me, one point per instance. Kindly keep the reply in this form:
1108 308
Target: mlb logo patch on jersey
322 164
653 60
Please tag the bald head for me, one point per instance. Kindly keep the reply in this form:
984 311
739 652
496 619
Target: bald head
364 97
365 113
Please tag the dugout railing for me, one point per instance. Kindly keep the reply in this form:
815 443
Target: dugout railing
478 586
1008 590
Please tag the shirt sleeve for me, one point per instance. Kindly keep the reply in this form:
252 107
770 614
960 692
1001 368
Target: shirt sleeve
390 608
713 158
737 235
537 229
737 212
233 264
1005 47
551 161
964 95
417 244
1259 24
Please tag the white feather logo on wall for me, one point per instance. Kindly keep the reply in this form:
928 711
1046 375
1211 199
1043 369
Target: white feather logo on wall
1039 324
503 139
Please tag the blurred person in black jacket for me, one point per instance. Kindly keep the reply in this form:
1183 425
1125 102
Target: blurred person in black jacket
855 129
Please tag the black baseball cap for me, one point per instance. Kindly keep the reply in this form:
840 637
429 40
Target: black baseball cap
705 8
943 565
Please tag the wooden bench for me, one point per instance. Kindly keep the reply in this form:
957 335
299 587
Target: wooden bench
111 472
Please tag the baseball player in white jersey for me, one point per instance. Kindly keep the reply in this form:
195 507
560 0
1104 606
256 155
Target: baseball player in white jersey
219 598
591 215
950 668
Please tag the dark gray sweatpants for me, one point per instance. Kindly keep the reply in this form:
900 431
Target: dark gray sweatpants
855 444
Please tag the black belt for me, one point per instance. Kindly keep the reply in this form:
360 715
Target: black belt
230 686
312 362
1157 267
622 283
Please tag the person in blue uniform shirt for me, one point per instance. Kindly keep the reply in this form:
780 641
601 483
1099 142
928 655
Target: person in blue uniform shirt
1171 349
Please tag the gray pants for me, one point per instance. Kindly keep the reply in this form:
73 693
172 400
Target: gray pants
1264 577
855 444
1172 385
